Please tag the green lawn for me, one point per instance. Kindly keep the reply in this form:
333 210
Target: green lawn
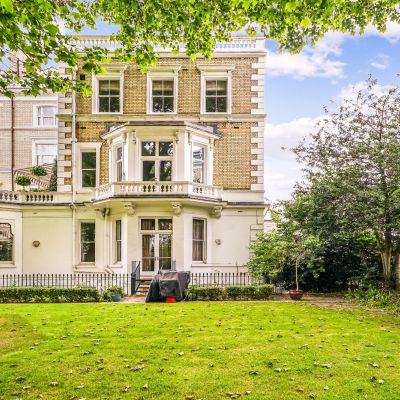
260 350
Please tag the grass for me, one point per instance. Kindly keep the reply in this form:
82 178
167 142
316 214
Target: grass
259 350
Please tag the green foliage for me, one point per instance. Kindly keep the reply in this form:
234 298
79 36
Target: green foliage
41 30
48 295
212 293
376 298
353 171
23 181
38 170
53 178
115 290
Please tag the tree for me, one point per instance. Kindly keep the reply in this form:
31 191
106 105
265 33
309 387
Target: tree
38 171
37 29
53 178
353 170
23 181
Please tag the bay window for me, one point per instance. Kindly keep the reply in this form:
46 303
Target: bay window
119 164
198 157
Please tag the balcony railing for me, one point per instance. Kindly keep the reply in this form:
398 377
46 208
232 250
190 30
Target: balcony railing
34 197
139 189
237 43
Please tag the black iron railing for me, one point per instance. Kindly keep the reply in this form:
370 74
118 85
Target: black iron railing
135 277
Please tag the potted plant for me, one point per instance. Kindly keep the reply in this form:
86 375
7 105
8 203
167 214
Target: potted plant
116 293
296 294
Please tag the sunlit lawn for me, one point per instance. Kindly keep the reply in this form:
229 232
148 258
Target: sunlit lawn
258 350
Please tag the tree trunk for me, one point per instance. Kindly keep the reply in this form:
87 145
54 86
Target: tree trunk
386 257
397 270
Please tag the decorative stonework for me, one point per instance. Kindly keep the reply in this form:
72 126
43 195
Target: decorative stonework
177 208
216 212
130 208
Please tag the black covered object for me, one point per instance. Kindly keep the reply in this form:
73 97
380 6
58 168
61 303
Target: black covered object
168 284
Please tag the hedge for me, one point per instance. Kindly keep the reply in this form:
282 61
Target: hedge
48 295
213 293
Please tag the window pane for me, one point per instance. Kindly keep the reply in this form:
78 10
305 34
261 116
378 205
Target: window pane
6 250
88 230
104 104
89 160
157 86
158 104
198 248
222 87
104 87
221 104
149 170
114 104
114 87
148 252
198 229
198 153
166 148
89 178
119 153
165 224
118 229
88 252
168 88
148 148
211 104
168 104
211 88
165 170
148 224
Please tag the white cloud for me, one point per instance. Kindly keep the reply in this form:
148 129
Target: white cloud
381 61
313 61
392 33
350 91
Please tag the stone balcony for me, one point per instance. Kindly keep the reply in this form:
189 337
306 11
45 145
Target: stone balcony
37 198
158 189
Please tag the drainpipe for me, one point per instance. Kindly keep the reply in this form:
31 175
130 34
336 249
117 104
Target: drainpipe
12 143
73 173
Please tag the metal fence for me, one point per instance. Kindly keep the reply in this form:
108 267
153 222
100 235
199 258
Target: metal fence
102 282
129 282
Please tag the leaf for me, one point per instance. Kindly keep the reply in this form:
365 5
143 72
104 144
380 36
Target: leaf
7 5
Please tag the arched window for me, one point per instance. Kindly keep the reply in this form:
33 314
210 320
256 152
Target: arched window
6 242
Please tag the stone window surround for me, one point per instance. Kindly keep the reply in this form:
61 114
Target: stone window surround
114 72
83 147
41 140
162 72
80 222
205 241
35 115
210 72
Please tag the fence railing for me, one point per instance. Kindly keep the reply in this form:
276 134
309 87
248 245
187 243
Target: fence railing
128 282
223 279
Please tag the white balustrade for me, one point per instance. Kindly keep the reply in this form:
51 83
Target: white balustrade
157 189
34 197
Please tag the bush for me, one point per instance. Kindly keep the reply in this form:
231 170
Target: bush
48 295
376 298
249 292
212 293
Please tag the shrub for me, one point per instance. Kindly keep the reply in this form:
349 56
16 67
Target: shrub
376 298
264 291
48 295
115 290
212 293
233 292
23 181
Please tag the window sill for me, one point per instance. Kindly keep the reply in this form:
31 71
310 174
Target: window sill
162 113
107 113
114 266
7 264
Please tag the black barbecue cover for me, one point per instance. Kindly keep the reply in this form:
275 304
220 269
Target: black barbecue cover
168 284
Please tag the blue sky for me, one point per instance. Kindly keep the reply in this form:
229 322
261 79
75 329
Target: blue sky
297 87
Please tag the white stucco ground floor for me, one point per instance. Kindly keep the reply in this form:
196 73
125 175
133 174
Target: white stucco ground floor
115 234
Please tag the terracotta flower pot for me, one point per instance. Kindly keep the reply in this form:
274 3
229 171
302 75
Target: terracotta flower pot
296 294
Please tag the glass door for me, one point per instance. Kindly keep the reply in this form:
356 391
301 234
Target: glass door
156 244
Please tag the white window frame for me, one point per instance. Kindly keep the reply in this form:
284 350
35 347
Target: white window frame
205 162
86 221
35 115
215 72
204 261
39 141
83 148
115 241
167 73
119 161
110 75
157 158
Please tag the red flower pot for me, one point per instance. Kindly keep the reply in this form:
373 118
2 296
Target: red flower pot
296 294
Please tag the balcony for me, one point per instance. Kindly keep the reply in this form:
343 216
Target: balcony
37 198
158 189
